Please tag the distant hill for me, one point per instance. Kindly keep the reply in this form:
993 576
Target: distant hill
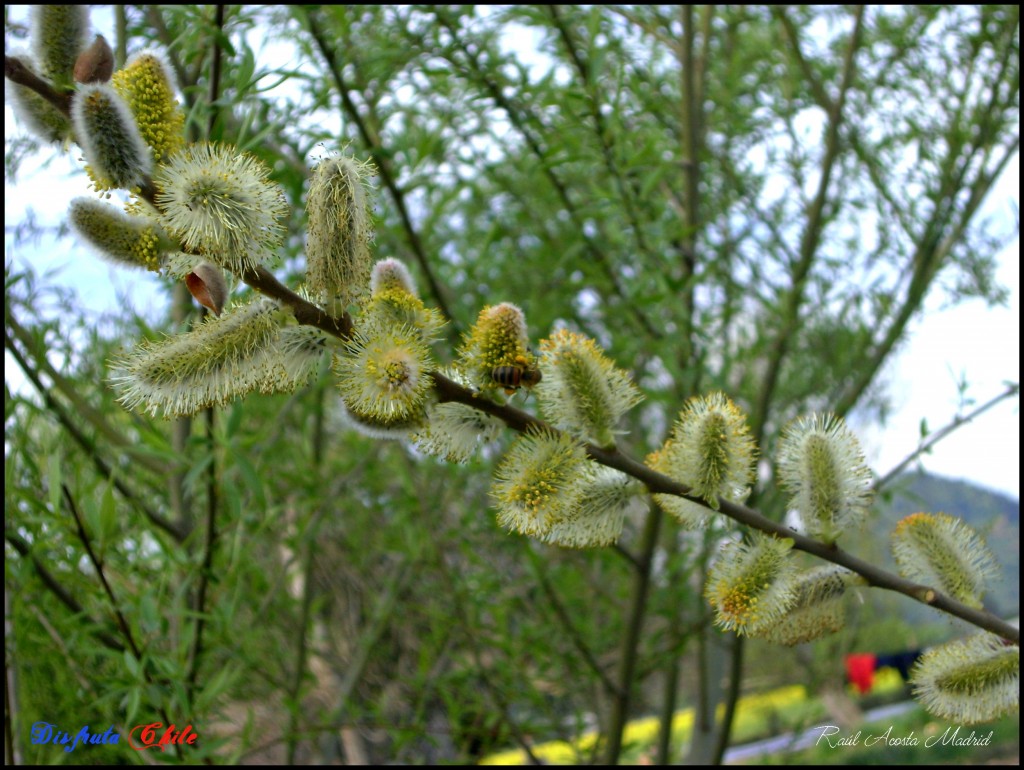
995 516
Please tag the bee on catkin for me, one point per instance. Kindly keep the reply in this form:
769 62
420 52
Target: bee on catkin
518 375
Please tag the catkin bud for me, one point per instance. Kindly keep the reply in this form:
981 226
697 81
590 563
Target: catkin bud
219 360
207 285
108 136
339 232
608 497
752 584
384 379
221 203
59 33
456 431
121 238
943 552
817 609
711 451
391 275
540 482
96 63
394 302
821 465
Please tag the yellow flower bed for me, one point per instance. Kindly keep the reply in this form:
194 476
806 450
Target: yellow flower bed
645 731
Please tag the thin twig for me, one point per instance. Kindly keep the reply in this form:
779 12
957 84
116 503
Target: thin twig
658 483
811 237
632 308
570 628
115 605
210 539
54 407
63 595
629 651
628 193
925 446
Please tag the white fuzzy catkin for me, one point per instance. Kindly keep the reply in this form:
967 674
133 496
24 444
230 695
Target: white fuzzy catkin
107 134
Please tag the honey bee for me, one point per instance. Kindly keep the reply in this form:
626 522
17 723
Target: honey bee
519 375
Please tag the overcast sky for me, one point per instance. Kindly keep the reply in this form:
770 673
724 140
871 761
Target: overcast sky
946 346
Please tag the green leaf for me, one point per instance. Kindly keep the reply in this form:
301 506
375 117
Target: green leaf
192 477
54 478
253 482
108 523
235 418
133 705
131 663
246 66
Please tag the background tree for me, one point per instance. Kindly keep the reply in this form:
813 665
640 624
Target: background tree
750 200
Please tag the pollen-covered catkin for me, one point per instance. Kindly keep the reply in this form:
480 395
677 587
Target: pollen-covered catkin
124 239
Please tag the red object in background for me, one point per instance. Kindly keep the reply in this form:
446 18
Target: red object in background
860 669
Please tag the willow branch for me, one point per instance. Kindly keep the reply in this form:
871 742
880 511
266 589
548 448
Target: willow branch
447 390
658 483
19 544
811 235
173 529
925 446
17 72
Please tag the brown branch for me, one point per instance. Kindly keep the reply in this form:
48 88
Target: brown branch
17 72
660 484
925 446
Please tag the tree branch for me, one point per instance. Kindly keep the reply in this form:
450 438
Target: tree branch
925 446
174 529
811 235
661 484
63 595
